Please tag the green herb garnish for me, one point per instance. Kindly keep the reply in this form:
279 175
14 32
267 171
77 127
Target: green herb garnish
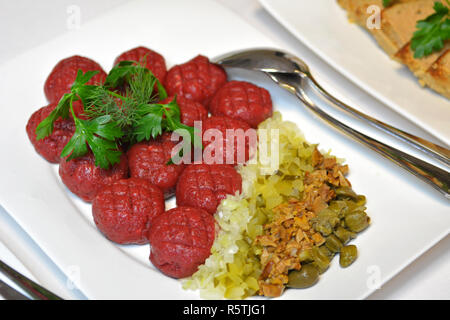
387 3
115 118
432 32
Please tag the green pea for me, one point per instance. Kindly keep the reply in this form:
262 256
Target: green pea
344 235
357 221
333 243
348 255
307 276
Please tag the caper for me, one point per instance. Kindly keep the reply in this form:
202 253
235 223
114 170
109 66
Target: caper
348 255
360 200
305 256
303 278
324 228
321 261
344 235
325 221
326 251
333 243
357 221
338 207
346 192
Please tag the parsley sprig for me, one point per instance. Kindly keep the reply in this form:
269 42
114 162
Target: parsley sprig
432 32
115 117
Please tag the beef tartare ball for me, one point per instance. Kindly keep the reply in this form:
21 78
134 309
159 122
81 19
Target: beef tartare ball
190 110
148 160
242 100
197 79
50 147
181 240
85 179
204 186
64 73
227 140
125 210
153 60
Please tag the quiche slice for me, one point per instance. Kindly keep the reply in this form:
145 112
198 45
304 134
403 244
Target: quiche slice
397 25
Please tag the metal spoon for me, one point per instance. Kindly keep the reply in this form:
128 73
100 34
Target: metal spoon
270 60
293 75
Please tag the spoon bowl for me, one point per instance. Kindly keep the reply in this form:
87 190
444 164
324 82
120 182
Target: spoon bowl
265 60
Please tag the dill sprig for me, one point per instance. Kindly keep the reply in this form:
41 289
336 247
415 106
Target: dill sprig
123 105
122 110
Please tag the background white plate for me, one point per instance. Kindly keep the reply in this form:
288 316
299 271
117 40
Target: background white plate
30 189
323 26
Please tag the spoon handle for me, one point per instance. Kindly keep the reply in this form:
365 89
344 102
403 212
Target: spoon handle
434 176
36 291
439 153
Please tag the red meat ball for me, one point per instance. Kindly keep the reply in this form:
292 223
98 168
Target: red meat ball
50 147
148 160
85 179
197 79
204 186
64 73
125 210
181 240
227 140
242 100
190 110
153 60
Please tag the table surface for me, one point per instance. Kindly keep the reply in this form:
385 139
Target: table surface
26 24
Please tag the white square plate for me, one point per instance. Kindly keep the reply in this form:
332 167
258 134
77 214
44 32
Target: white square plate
323 26
407 216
